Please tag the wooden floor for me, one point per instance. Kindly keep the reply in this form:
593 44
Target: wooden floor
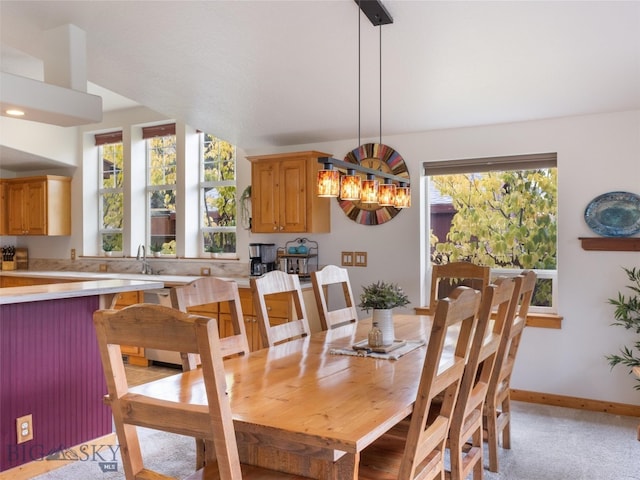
137 375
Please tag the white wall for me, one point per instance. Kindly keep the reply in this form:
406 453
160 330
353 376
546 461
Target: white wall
596 154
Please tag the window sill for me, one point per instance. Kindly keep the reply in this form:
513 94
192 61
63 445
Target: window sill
544 320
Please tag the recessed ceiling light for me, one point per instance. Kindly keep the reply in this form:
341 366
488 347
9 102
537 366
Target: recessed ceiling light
15 112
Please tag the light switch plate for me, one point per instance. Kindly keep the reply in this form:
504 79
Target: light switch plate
347 259
360 259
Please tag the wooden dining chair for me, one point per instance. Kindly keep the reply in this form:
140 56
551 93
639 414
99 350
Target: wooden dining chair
271 283
465 433
205 291
332 279
166 328
446 277
415 449
497 412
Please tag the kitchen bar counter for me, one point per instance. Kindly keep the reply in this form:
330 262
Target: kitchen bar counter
168 280
57 291
51 365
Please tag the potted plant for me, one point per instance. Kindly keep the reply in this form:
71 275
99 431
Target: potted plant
627 315
382 297
107 248
213 250
155 248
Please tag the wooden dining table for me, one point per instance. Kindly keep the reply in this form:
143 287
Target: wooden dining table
298 407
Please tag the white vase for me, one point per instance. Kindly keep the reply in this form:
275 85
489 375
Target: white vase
384 317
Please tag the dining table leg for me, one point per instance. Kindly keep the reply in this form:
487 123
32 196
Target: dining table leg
347 467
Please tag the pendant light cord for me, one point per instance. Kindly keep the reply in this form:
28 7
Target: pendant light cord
359 62
380 27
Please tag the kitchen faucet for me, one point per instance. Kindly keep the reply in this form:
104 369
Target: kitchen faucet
142 256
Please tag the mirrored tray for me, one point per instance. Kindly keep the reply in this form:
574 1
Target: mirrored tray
614 214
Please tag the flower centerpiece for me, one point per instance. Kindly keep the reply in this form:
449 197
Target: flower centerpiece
382 297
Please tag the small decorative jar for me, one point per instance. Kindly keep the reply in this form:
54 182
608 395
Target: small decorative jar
375 336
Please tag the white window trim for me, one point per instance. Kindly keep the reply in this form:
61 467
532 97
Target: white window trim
514 162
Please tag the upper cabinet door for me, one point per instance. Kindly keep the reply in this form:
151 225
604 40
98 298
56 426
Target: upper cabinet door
39 205
265 199
283 194
293 197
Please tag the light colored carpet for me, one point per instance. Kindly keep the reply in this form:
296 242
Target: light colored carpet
548 443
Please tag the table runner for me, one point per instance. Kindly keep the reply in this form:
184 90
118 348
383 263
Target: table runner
394 355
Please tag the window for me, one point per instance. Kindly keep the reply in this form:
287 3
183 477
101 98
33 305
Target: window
110 190
218 195
500 212
161 187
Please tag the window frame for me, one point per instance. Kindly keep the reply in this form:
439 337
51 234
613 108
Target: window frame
148 135
209 184
103 140
486 164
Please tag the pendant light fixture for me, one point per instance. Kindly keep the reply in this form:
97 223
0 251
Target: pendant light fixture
386 194
369 192
361 183
350 186
328 181
403 196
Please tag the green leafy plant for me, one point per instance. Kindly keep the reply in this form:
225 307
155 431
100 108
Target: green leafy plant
627 315
107 246
155 247
382 295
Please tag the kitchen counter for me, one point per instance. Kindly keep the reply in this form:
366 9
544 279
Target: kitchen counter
51 365
167 280
56 291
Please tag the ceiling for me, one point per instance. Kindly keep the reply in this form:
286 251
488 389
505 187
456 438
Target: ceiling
262 74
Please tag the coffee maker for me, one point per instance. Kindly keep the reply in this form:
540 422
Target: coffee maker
263 258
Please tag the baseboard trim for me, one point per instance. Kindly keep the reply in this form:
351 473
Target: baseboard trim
29 470
576 402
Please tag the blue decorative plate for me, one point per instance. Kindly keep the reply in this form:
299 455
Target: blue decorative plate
614 214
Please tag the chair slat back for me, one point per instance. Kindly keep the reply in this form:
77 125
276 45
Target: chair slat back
329 277
158 326
496 305
271 283
455 317
465 433
508 348
446 277
207 290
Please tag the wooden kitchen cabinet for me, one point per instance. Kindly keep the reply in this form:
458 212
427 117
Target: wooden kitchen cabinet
135 355
3 207
283 194
38 205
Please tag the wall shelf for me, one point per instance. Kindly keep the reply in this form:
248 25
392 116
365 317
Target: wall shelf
611 244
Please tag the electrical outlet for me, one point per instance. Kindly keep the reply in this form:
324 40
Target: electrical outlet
24 428
73 254
205 271
103 267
